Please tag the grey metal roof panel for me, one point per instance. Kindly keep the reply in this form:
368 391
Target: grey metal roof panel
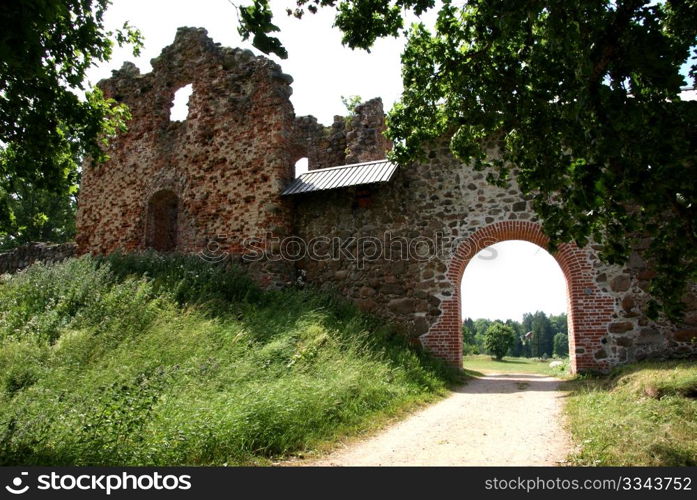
342 176
355 175
385 173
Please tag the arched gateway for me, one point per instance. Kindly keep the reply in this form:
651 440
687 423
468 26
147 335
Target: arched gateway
590 309
348 219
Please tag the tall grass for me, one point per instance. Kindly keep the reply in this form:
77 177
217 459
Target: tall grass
643 415
147 360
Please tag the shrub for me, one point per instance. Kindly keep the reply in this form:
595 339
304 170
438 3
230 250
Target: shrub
498 339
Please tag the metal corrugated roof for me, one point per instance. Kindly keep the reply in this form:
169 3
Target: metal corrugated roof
342 176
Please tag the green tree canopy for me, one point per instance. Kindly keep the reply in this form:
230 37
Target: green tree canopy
561 345
40 215
547 334
498 339
580 98
49 120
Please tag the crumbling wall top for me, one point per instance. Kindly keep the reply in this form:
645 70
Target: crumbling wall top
354 139
193 58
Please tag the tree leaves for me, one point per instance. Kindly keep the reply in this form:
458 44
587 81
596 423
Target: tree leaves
255 20
46 127
582 97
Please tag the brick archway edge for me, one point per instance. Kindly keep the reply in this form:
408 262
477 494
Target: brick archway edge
589 308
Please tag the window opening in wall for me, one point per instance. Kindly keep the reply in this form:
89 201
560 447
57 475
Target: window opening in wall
180 105
300 167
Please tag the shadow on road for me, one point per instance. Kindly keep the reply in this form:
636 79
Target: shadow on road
506 383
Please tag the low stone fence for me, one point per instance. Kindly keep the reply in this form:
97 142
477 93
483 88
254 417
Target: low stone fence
21 257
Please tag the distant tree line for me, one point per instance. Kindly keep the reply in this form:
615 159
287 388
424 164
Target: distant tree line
537 336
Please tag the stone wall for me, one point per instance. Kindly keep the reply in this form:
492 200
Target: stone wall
21 257
226 163
322 146
448 206
365 137
355 139
222 168
212 185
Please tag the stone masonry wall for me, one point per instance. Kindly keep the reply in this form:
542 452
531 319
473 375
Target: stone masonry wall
323 146
357 139
212 185
446 205
226 163
22 257
365 138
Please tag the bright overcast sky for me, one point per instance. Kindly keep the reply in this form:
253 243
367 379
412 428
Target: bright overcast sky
510 278
523 277
323 70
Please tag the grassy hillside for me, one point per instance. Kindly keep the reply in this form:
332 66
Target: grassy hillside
163 361
644 414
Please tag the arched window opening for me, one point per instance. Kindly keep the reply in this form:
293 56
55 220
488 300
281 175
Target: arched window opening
301 167
180 105
162 220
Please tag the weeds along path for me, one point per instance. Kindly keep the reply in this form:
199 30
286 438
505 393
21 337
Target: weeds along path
497 419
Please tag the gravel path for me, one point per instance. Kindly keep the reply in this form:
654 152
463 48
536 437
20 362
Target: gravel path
511 419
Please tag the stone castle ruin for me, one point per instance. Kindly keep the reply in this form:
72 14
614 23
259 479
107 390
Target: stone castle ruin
394 239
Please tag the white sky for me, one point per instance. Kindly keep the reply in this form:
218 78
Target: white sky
323 70
522 278
515 278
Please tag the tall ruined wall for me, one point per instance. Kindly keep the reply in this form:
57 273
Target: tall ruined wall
323 146
225 164
443 208
212 185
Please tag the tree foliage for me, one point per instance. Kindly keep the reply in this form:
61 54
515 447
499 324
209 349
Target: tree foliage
49 119
581 101
541 343
561 345
351 103
469 337
498 339
39 214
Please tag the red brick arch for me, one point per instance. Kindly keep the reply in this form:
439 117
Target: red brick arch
590 310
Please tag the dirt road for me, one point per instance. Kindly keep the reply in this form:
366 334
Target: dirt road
511 419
